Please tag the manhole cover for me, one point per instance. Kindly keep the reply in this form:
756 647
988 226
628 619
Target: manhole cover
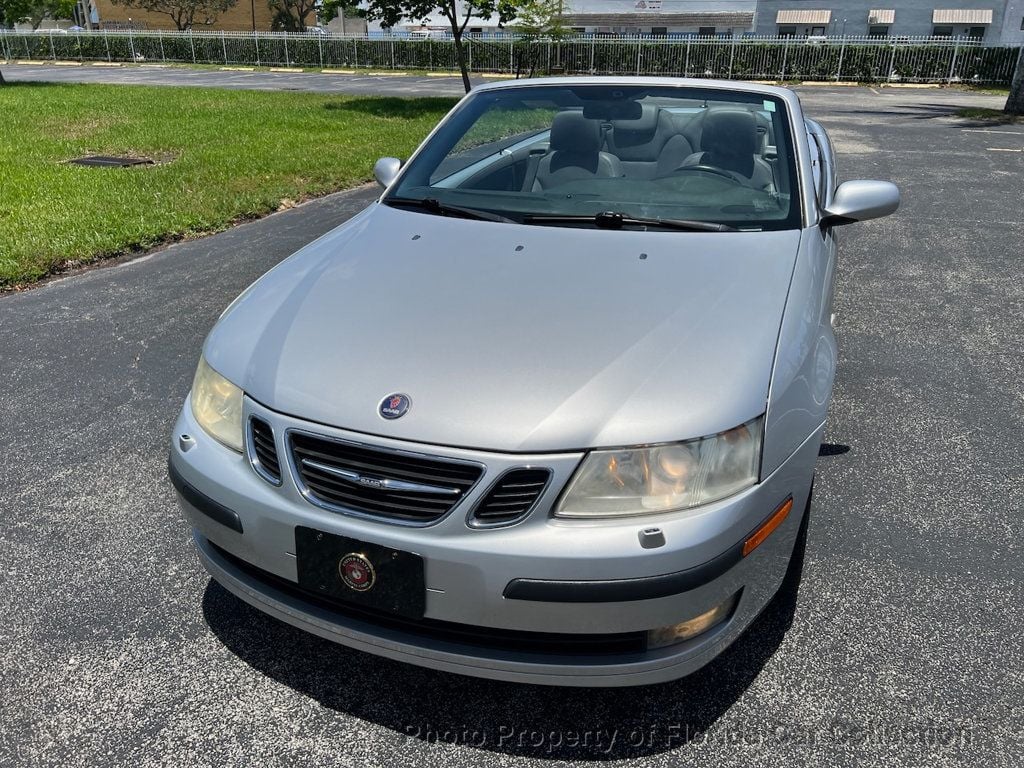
108 161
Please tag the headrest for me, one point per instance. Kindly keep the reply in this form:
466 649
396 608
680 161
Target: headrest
572 132
647 122
729 132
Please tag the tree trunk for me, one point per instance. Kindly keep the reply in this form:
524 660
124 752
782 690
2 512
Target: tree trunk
1015 103
2 81
460 54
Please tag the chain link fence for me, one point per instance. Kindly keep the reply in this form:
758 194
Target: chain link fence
846 59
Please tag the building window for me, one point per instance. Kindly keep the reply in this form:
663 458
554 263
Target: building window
976 32
787 31
659 31
706 32
878 30
817 30
942 31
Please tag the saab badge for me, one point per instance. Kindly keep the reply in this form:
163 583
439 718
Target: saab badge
357 572
394 406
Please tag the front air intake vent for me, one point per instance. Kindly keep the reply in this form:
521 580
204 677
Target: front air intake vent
263 451
511 498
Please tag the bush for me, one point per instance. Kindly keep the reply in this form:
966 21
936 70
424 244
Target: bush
738 59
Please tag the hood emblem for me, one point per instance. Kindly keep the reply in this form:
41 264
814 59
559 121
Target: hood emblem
394 406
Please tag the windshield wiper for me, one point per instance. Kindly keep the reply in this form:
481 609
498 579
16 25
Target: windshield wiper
614 220
435 206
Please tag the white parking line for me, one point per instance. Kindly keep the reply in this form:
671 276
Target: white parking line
986 130
1000 149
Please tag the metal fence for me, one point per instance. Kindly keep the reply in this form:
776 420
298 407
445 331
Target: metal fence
849 59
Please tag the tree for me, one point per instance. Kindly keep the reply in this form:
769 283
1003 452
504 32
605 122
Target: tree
184 13
11 12
1015 102
50 9
538 20
34 11
331 9
456 12
541 18
291 15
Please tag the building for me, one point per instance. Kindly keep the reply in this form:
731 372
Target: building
629 17
244 16
996 22
705 18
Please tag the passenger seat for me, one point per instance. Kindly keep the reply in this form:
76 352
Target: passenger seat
730 141
575 153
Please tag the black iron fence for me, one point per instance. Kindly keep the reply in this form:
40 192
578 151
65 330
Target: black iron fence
840 59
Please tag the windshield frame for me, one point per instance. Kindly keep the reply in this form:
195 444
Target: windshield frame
790 113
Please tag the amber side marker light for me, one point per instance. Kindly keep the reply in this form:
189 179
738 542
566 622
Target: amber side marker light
770 525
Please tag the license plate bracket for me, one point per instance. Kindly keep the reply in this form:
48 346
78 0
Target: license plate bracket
358 572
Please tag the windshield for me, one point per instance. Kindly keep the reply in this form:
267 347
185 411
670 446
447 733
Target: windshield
569 155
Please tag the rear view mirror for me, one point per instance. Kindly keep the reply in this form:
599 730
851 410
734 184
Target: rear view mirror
386 169
860 201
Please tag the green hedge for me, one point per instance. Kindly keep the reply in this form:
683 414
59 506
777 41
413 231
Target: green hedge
737 59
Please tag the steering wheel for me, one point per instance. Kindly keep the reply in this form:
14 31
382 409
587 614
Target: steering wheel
710 170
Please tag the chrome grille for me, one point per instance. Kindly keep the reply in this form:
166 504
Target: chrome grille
263 450
396 485
511 497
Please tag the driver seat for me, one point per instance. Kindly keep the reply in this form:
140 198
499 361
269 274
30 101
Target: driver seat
730 142
575 153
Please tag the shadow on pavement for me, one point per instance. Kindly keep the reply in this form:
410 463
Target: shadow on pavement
833 449
967 116
514 719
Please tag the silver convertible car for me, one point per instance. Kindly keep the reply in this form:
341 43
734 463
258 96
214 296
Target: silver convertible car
548 410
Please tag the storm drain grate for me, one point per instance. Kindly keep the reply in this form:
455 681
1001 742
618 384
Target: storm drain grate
108 161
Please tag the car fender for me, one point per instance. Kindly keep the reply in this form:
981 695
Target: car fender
805 360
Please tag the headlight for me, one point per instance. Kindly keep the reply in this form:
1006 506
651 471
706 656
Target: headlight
663 478
217 406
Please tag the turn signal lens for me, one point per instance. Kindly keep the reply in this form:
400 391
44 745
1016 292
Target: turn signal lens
770 525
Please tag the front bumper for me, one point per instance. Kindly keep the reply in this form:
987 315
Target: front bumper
469 571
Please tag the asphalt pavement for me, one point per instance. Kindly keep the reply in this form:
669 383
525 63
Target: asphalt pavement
360 82
902 646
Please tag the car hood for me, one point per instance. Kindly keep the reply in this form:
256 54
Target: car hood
511 337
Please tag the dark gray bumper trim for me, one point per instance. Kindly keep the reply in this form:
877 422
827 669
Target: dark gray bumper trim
624 590
203 503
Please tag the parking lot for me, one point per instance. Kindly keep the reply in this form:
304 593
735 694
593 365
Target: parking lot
902 645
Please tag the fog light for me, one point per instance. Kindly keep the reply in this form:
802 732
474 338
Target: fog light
677 633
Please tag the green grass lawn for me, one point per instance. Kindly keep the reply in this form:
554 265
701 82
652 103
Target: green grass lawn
994 115
222 156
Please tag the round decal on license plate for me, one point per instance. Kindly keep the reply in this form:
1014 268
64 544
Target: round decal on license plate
357 572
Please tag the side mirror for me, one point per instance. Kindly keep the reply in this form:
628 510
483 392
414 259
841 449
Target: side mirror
386 169
860 201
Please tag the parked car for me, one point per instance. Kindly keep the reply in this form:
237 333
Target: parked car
548 410
428 34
